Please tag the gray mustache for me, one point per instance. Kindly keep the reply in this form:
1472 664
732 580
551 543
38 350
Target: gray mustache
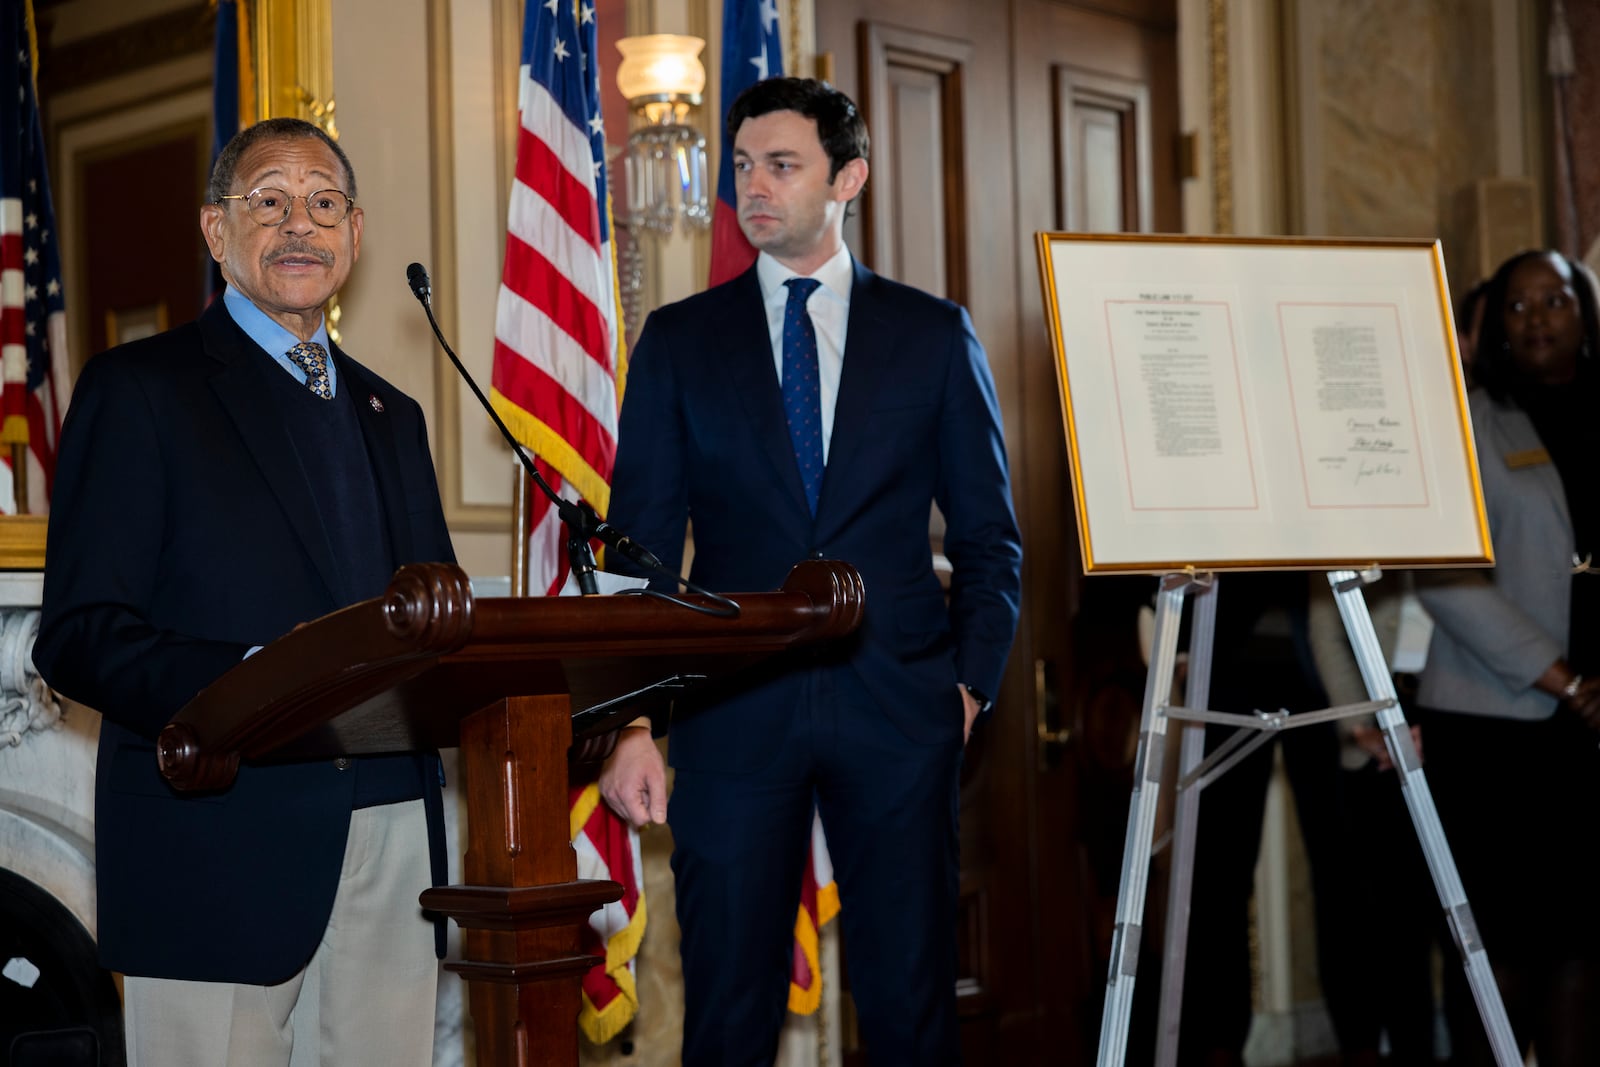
322 255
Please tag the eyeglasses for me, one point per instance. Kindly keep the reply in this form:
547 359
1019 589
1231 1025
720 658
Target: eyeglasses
269 207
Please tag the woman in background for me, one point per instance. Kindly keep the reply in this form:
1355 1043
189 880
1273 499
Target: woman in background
1511 690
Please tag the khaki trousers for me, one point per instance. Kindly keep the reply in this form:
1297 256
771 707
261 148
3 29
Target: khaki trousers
365 997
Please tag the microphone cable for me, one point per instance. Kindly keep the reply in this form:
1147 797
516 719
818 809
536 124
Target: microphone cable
580 519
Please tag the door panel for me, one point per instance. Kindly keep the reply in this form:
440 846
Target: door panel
913 81
1102 128
916 106
1096 121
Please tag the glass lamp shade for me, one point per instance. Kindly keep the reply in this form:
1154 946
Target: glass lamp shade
660 64
666 165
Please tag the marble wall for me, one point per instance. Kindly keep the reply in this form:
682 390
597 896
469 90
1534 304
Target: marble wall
1399 104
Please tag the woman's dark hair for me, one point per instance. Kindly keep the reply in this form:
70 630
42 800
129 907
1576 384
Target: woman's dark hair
840 127
1493 366
1469 302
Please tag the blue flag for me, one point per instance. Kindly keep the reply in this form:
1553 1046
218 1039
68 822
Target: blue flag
751 51
224 106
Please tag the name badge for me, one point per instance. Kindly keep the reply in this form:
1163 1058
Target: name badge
1528 457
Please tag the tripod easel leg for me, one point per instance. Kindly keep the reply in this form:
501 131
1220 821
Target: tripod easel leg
1185 825
1425 817
1141 823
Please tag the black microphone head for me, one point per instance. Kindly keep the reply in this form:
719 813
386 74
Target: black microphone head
417 276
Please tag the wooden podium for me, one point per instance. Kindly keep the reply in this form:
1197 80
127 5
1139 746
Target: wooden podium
426 666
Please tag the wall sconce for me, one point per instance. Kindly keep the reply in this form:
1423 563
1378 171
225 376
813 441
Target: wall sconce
662 78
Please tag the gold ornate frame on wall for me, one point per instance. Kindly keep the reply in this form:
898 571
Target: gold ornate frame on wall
291 57
288 72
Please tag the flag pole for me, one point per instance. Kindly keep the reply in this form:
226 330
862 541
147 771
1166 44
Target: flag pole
19 475
520 507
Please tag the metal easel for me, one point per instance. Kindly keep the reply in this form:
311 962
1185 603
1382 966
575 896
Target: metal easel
1196 770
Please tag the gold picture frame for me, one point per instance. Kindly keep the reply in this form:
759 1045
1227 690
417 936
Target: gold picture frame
22 542
1261 403
135 323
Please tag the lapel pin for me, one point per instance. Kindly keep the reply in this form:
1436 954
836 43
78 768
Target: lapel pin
377 405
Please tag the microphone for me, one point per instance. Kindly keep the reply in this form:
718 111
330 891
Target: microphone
620 542
417 277
581 520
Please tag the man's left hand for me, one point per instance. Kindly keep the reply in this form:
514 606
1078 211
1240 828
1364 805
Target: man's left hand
969 707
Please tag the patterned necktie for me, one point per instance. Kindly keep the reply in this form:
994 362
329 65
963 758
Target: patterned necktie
313 359
802 390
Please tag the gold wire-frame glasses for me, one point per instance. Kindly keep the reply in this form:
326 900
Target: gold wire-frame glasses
269 207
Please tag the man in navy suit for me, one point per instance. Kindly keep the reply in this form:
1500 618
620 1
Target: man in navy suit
811 409
219 484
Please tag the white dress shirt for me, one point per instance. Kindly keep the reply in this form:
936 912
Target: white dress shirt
829 308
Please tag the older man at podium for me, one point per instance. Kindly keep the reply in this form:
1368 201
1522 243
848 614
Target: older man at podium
219 484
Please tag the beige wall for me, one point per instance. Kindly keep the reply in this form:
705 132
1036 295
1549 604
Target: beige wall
1394 112
1365 118
391 67
424 92
1400 107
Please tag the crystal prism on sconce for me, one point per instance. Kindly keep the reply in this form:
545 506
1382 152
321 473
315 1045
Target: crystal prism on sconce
665 167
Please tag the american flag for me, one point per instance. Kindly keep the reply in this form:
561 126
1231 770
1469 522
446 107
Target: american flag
558 365
607 847
557 383
819 903
33 341
751 51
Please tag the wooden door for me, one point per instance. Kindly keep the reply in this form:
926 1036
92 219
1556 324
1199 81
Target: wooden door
1096 121
991 120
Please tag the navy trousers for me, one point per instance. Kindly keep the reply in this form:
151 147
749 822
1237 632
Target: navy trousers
889 810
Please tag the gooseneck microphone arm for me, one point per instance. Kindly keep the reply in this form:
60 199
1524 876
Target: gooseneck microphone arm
580 519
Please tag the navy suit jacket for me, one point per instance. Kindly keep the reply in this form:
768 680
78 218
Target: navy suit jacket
183 531
703 440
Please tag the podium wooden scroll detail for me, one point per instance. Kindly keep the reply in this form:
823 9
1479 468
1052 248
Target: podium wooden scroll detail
428 666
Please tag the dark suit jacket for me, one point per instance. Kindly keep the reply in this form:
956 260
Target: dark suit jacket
703 439
183 532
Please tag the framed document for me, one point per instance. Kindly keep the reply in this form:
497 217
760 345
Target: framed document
1234 403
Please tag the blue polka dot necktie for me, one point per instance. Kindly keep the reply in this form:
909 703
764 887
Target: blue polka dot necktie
802 389
313 359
